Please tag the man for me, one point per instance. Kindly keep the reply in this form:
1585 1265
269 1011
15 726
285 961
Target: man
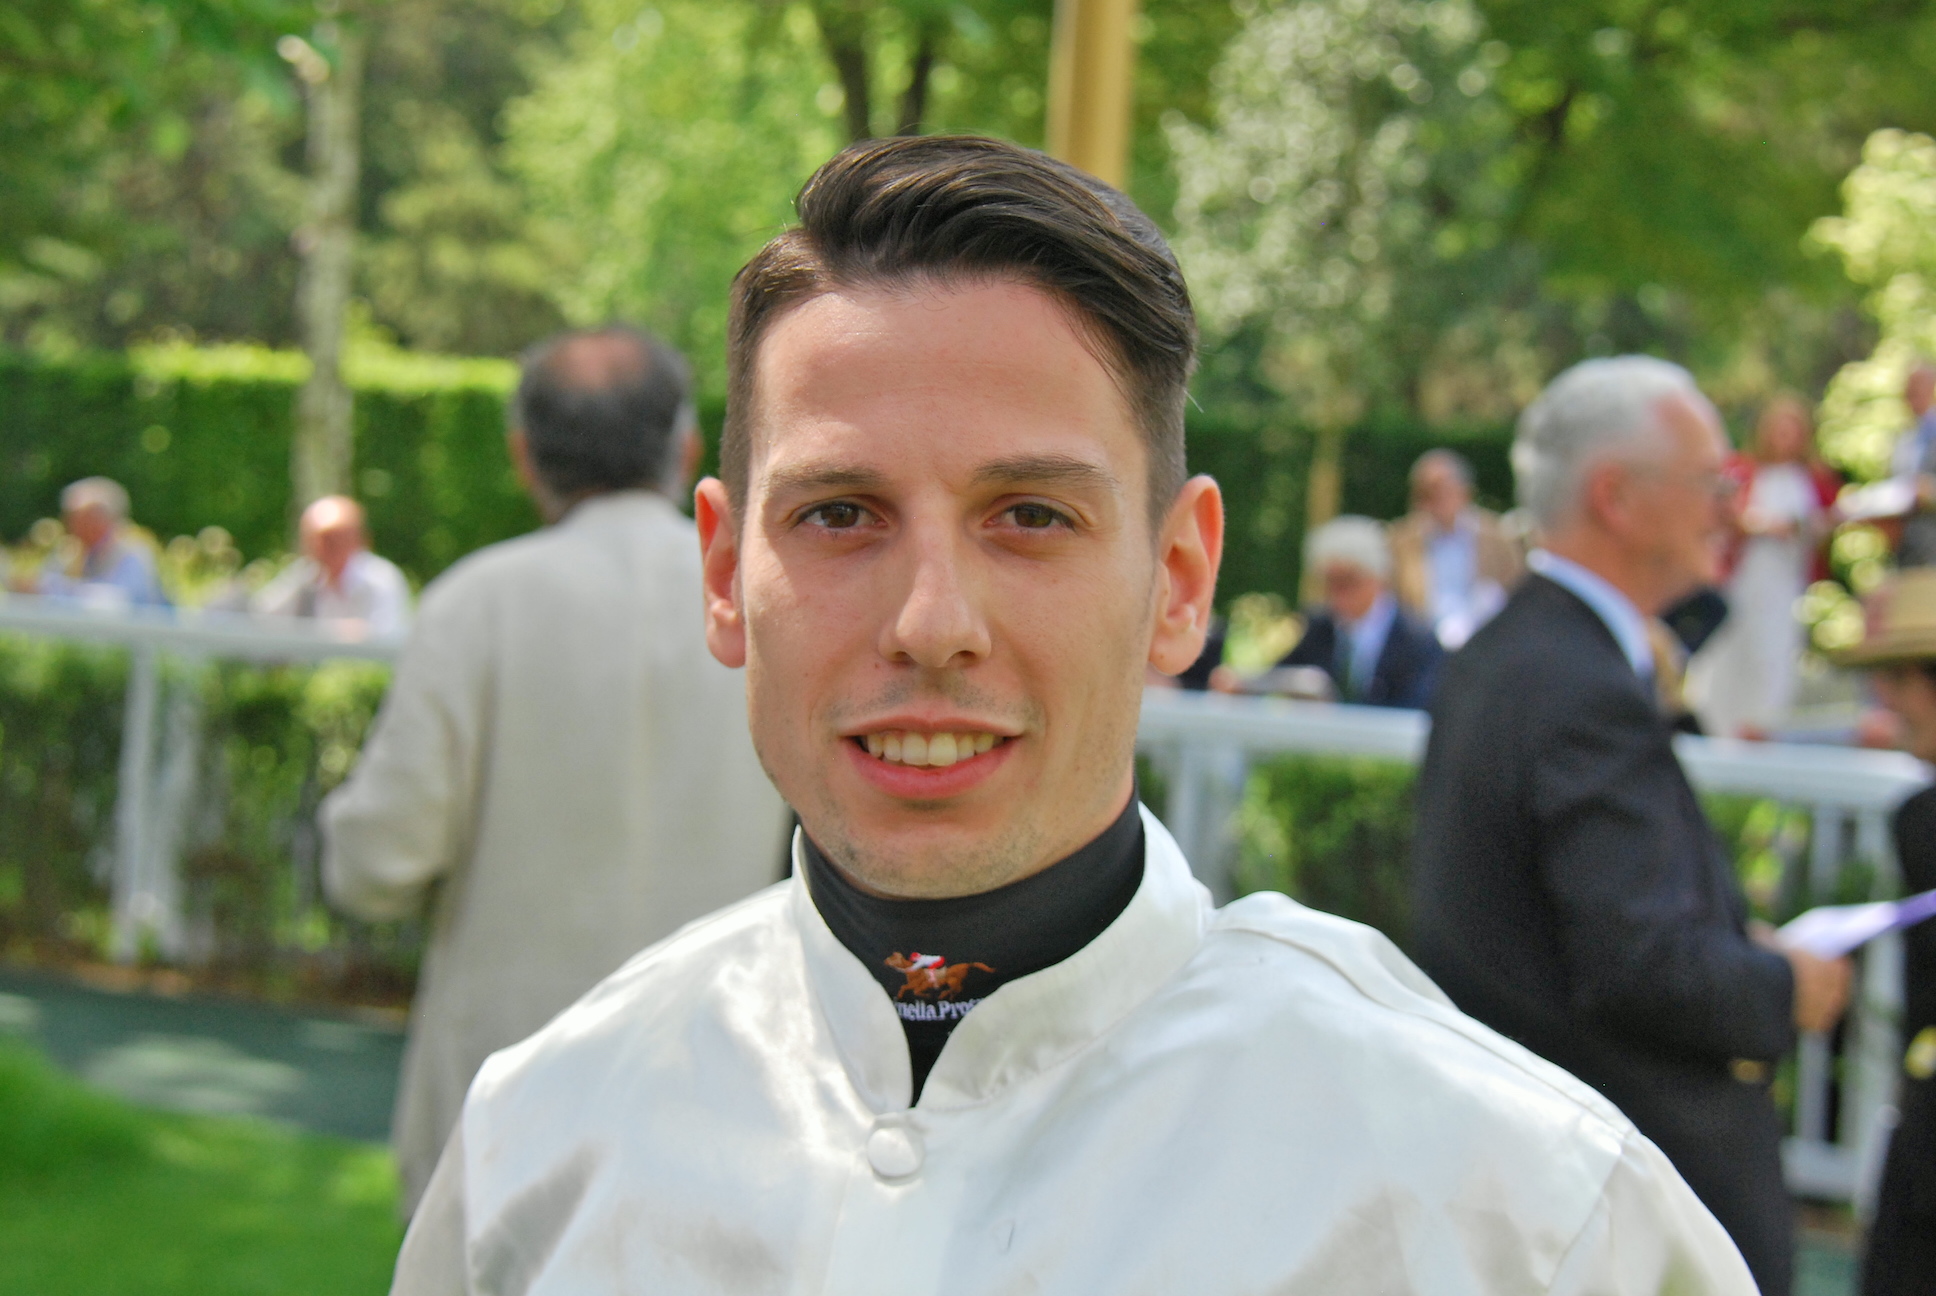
337 578
559 756
1900 647
1374 653
1452 562
1914 466
1568 890
111 565
990 1037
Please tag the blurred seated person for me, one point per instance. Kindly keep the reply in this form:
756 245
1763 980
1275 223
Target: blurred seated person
111 562
338 578
1371 650
1452 562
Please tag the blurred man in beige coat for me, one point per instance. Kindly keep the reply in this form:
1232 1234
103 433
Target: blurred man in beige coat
560 763
1452 562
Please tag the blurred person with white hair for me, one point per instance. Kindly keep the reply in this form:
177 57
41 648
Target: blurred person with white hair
1568 890
1452 561
337 578
1374 652
112 563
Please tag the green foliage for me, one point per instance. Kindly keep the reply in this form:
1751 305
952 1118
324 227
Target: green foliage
671 142
1335 833
275 740
1886 238
201 438
1332 833
139 186
111 1199
1350 200
60 722
1262 466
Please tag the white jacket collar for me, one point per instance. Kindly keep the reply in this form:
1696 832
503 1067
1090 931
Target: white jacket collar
1028 1025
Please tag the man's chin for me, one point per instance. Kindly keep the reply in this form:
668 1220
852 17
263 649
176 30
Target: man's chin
928 861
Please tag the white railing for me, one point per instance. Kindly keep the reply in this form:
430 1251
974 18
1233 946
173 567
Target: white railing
1203 743
151 794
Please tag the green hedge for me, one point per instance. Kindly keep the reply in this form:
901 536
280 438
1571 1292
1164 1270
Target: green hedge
275 739
201 437
1263 470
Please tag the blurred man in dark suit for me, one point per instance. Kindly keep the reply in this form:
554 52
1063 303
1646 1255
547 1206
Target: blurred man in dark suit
1569 891
1374 652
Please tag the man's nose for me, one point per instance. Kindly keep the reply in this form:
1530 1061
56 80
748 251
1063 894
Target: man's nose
939 622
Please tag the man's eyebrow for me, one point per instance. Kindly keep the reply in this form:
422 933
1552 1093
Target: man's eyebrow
1045 470
808 478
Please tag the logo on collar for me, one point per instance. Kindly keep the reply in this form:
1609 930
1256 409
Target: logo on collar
930 975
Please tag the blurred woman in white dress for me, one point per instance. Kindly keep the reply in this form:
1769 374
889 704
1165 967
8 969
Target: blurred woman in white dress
1742 683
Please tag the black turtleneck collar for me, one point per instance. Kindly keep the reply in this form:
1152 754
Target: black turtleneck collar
937 959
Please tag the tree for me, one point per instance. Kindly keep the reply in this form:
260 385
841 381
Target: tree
671 140
1886 240
138 188
1347 202
333 84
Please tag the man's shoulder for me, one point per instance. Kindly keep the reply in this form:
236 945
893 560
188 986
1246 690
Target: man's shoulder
1318 985
652 997
1544 629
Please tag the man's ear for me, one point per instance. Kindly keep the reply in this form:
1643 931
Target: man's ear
1606 497
519 447
1189 549
712 511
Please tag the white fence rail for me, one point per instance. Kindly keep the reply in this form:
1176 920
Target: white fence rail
151 792
1203 744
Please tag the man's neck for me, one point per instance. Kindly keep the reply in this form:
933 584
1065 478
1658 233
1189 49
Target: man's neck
1604 557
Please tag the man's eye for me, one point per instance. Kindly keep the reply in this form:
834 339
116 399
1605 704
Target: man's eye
1035 517
835 517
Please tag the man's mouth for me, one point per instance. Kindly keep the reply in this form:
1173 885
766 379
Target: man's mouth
937 750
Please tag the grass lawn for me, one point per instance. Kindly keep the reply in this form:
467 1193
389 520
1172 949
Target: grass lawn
98 1198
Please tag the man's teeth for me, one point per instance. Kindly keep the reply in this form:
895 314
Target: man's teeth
904 748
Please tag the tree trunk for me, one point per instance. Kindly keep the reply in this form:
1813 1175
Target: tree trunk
320 464
843 27
914 103
1324 490
1323 494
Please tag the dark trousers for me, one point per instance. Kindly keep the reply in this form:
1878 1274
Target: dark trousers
1901 1257
1729 1150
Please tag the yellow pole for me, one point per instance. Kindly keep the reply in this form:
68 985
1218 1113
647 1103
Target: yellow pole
1091 61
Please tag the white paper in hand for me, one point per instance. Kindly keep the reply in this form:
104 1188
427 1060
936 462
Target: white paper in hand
1834 930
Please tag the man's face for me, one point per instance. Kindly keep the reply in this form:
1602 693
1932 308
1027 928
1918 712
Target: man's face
1349 590
1438 491
91 524
333 544
1920 389
946 554
1676 515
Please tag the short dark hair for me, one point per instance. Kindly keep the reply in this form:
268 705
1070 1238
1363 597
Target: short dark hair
941 207
601 409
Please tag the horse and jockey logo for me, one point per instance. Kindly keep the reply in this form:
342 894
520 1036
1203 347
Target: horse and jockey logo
930 974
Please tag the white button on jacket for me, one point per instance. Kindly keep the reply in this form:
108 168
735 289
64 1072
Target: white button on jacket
1260 1099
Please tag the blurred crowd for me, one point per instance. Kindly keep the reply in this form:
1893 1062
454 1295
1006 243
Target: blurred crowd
98 557
1387 600
558 741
